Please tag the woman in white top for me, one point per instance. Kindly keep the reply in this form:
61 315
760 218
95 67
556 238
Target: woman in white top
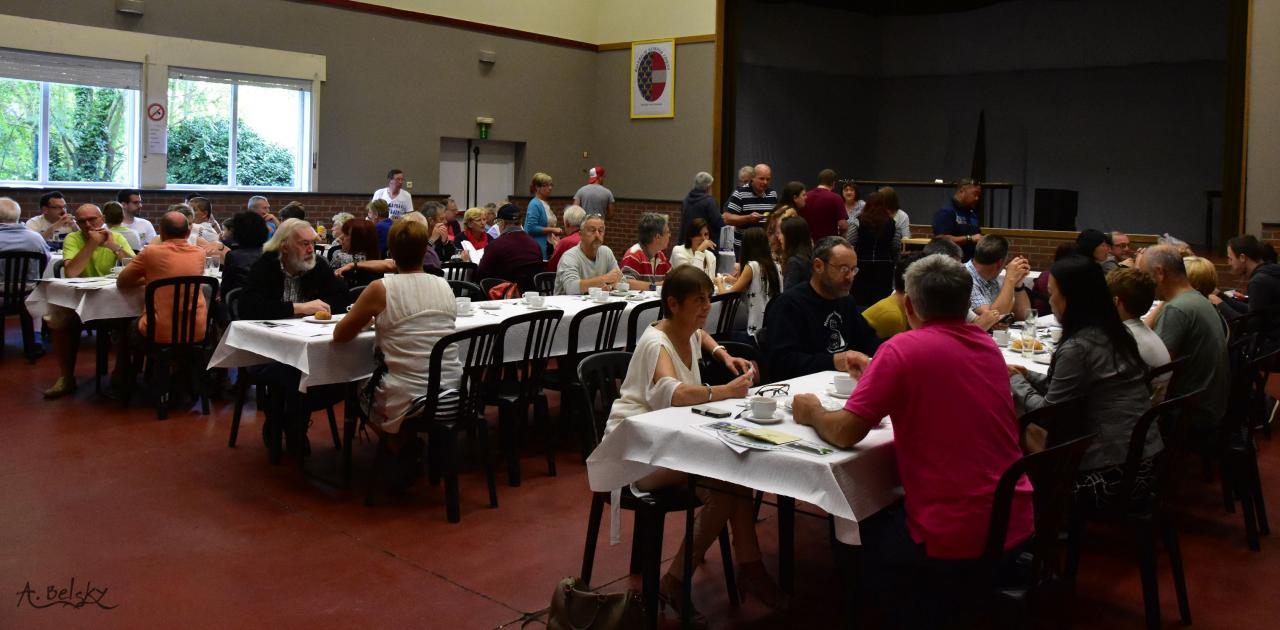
698 249
413 310
759 278
1133 292
664 373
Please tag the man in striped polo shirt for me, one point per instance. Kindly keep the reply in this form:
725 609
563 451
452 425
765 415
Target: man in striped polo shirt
750 205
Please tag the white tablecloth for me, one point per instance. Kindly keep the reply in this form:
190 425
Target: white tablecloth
851 484
90 298
308 346
54 257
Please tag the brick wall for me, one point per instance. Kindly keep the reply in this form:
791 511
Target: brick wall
320 206
620 232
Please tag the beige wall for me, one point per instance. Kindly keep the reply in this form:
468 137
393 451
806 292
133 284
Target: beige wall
592 21
1262 188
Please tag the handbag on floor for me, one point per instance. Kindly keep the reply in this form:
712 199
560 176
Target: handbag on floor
574 607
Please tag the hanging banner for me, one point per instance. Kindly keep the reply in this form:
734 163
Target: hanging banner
653 79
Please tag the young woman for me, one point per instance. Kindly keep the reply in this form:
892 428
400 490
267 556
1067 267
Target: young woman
900 219
413 310
797 250
698 248
359 242
1097 359
759 278
875 238
664 373
539 220
852 204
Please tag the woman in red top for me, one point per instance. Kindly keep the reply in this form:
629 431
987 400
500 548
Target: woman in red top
474 230
646 258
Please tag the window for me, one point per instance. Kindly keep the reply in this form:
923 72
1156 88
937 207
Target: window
267 121
67 120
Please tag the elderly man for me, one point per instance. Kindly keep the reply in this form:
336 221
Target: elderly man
437 216
1121 249
573 218
1190 327
997 285
591 264
260 205
816 326
750 204
943 383
646 258
15 237
594 197
958 221
53 220
131 201
824 208
699 204
514 256
452 226
399 201
289 280
93 251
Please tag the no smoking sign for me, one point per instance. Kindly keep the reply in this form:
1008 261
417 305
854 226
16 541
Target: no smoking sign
155 112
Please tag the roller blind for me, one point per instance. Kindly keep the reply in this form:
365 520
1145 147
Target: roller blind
213 76
37 66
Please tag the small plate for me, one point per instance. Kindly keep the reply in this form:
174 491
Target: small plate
831 391
620 293
536 308
489 306
332 320
774 419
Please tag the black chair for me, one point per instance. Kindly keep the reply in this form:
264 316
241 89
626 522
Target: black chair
475 348
601 375
353 294
642 313
58 266
715 373
185 295
545 282
513 386
1146 510
1236 450
729 305
20 269
1158 390
459 270
487 285
1051 425
464 289
564 378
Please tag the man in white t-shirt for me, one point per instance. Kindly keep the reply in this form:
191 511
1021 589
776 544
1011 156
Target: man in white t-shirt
53 221
399 201
131 201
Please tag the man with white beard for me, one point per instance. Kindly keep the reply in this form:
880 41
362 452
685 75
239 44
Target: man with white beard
289 280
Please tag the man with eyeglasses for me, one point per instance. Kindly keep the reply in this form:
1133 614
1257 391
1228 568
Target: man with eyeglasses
53 220
816 326
90 252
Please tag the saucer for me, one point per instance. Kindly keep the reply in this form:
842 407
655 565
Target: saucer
536 308
489 306
831 391
774 419
461 314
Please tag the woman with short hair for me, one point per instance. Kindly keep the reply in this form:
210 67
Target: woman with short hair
664 372
539 220
646 257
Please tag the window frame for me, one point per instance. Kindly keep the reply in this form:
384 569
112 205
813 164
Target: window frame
306 128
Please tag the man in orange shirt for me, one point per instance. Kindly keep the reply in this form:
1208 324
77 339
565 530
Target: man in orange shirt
173 256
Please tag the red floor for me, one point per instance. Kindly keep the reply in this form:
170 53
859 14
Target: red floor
182 531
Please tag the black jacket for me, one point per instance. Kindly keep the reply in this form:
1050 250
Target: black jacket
1264 291
263 295
698 204
236 265
803 330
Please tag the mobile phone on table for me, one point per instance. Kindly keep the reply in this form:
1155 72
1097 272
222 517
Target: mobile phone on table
711 412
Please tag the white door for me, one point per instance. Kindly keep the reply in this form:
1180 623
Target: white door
492 180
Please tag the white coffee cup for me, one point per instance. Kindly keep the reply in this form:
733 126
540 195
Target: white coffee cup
1001 337
529 294
1055 334
843 384
464 306
595 292
600 296
535 300
763 407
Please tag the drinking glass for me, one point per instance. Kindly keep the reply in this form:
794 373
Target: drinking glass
1028 340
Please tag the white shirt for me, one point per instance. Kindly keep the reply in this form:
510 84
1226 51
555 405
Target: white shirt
399 205
704 260
205 231
40 224
146 231
757 298
639 394
1150 346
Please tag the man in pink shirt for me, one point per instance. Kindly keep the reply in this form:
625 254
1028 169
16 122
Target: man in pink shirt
173 256
824 209
955 430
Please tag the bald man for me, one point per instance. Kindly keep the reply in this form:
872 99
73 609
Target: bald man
173 256
92 251
750 204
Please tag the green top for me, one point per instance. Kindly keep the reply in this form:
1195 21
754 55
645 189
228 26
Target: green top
1190 327
101 261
